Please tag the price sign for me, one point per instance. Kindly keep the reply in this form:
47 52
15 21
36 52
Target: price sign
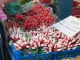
69 26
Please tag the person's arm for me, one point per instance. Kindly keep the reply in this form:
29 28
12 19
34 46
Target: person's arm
6 1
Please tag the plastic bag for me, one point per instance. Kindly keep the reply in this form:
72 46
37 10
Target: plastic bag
27 6
13 8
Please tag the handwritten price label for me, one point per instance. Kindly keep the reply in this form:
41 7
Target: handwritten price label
69 26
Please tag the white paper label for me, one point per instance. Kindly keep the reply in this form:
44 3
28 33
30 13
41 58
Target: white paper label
69 26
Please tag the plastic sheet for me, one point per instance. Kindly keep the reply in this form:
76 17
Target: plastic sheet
13 8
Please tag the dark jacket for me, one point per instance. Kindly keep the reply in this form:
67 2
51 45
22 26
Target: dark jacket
63 8
2 43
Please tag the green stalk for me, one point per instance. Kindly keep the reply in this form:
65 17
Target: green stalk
39 50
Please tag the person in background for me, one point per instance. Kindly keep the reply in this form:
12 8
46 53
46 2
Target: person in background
2 14
3 17
63 8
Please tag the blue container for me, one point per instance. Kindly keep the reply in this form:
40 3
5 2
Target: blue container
18 55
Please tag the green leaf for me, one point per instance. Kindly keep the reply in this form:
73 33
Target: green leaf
23 1
35 51
27 6
28 36
40 50
10 42
78 46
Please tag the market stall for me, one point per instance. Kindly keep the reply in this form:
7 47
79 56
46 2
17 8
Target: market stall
36 34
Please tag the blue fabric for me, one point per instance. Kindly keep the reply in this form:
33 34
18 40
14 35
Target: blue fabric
63 8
